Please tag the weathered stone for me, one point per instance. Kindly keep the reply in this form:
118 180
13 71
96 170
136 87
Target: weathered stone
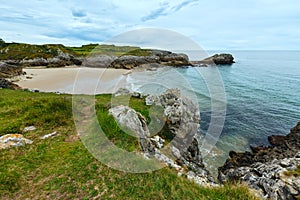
163 58
8 70
130 119
29 128
7 84
13 140
49 135
276 140
99 61
264 169
217 59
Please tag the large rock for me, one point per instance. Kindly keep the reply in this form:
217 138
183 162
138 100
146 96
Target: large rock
217 59
9 70
62 60
164 58
98 61
8 85
131 120
181 118
264 168
13 140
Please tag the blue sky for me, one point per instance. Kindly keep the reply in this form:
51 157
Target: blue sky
213 24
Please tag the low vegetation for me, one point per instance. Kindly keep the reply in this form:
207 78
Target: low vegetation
295 172
20 51
62 168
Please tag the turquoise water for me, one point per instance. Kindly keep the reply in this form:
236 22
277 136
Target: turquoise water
262 91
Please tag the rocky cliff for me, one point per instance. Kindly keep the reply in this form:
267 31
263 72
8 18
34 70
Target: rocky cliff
266 169
176 144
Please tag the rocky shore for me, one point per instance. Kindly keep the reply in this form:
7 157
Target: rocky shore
265 169
157 58
9 71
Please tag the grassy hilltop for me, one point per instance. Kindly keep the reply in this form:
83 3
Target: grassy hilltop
20 51
62 168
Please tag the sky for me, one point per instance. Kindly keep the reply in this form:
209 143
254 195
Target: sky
212 24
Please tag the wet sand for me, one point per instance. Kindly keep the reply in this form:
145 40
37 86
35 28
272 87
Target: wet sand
74 80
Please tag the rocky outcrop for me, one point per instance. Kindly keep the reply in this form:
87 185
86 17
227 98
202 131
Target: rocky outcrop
61 60
164 58
7 84
13 140
8 70
131 120
264 168
217 59
98 61
181 119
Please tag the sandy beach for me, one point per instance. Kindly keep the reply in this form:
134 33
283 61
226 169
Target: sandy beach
74 80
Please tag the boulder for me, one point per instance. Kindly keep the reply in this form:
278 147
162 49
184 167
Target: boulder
13 140
8 85
133 121
9 70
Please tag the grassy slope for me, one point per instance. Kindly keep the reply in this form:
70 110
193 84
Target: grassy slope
19 51
62 168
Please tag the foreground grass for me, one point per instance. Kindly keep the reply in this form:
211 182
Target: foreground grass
62 168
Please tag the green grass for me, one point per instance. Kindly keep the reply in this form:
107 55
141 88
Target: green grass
95 49
139 52
295 172
62 168
20 51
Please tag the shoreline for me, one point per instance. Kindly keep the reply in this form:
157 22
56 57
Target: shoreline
72 79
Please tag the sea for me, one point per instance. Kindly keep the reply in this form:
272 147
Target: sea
258 96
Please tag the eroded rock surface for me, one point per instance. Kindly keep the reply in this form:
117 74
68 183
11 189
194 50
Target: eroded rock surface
164 58
182 119
13 140
265 168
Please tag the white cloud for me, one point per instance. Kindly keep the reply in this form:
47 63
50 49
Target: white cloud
222 24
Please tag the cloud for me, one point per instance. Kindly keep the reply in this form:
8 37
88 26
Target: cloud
183 4
161 11
165 9
78 13
251 24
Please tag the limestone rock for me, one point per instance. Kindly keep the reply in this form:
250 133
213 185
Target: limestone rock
264 169
49 135
98 61
29 128
13 140
130 119
157 57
